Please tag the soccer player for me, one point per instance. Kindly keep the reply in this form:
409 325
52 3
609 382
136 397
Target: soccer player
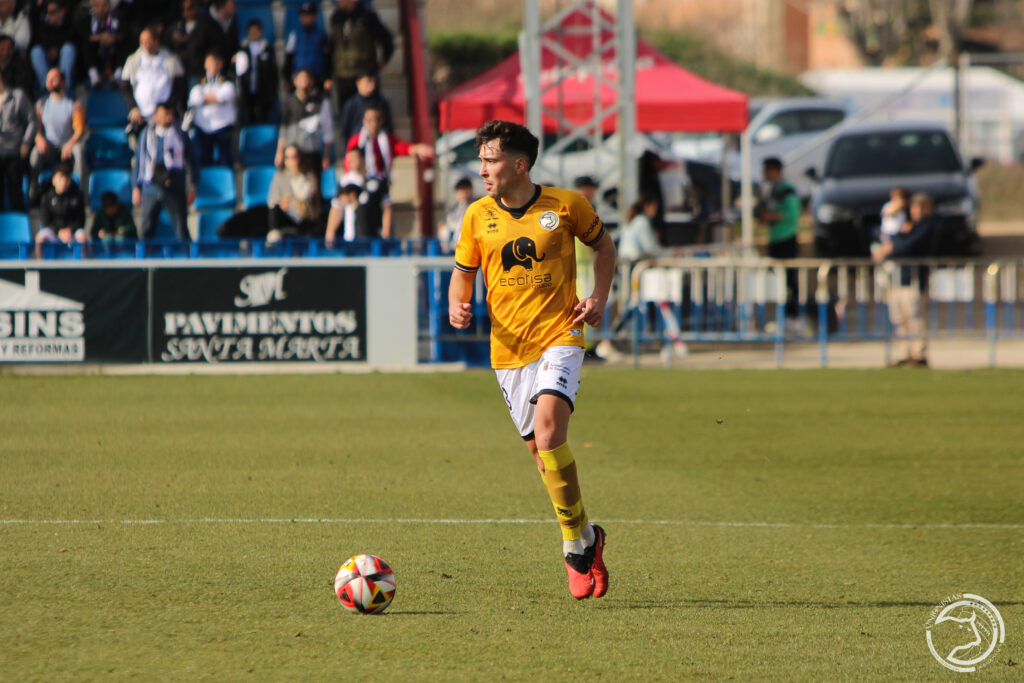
523 237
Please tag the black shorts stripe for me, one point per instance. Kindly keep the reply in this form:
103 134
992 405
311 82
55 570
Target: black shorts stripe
554 392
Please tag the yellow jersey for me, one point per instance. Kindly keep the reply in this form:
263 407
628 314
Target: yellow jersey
528 258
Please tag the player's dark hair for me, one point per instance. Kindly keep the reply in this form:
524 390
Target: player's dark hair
514 139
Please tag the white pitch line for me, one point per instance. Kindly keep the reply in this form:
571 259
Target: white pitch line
470 522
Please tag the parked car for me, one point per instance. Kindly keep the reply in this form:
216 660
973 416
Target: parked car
782 127
865 162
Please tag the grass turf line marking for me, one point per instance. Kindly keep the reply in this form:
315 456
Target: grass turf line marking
441 521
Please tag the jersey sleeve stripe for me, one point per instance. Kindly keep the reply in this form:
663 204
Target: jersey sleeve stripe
466 269
595 240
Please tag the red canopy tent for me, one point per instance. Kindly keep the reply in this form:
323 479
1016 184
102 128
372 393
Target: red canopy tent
668 97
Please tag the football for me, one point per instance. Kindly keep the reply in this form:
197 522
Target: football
365 584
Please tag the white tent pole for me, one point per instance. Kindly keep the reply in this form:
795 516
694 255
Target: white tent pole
746 194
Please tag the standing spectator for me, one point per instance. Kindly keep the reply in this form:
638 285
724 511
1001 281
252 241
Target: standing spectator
306 46
359 44
450 228
163 155
306 122
14 67
18 128
356 106
216 31
895 217
294 197
54 45
257 82
380 149
113 221
780 210
906 296
183 30
62 126
61 211
103 43
15 24
151 75
213 103
639 240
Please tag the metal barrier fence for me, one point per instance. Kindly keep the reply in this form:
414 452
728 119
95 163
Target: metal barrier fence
661 305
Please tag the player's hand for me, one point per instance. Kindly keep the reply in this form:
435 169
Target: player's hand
589 311
460 316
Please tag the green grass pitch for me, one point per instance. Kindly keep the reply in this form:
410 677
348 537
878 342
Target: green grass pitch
762 525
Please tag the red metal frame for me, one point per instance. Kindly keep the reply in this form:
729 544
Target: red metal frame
419 103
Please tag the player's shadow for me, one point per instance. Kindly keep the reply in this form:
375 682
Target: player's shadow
726 603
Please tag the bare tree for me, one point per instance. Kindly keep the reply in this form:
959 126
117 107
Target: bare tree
950 19
878 28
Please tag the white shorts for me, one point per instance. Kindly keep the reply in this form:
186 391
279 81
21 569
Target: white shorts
556 372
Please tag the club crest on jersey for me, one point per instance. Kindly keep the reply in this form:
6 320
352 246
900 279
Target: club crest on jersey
520 252
548 220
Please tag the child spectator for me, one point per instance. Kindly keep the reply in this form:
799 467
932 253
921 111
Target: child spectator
306 46
449 230
215 110
113 221
348 215
895 214
257 81
62 210
355 108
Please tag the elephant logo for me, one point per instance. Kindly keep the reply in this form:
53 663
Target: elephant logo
520 252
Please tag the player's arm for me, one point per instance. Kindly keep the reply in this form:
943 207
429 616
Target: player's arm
591 309
460 292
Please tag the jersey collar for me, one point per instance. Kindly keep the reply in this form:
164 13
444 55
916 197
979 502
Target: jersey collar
521 211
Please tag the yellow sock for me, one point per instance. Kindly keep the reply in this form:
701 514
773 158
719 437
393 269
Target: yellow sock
564 490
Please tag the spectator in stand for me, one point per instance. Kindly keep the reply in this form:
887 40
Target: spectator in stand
62 127
371 196
780 208
380 149
359 44
163 157
54 45
895 215
213 102
907 293
14 67
450 228
294 197
639 240
18 128
367 94
61 211
183 30
151 75
348 216
306 122
113 221
306 46
216 31
257 81
103 43
15 24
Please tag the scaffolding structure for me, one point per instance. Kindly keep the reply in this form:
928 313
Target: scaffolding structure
611 38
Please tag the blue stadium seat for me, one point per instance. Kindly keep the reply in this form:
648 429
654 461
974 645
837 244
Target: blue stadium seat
245 13
257 144
209 221
255 185
116 180
105 108
15 228
329 184
108 148
216 188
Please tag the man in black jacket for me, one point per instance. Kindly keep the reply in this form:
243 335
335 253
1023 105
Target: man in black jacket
359 44
257 84
216 30
62 210
908 289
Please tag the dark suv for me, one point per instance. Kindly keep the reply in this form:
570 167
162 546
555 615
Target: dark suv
865 162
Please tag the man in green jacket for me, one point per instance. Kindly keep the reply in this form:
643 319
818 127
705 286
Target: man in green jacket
780 210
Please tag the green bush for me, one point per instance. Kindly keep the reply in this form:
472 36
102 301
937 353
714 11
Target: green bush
457 57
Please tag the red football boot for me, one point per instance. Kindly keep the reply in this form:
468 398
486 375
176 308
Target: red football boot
598 569
581 579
